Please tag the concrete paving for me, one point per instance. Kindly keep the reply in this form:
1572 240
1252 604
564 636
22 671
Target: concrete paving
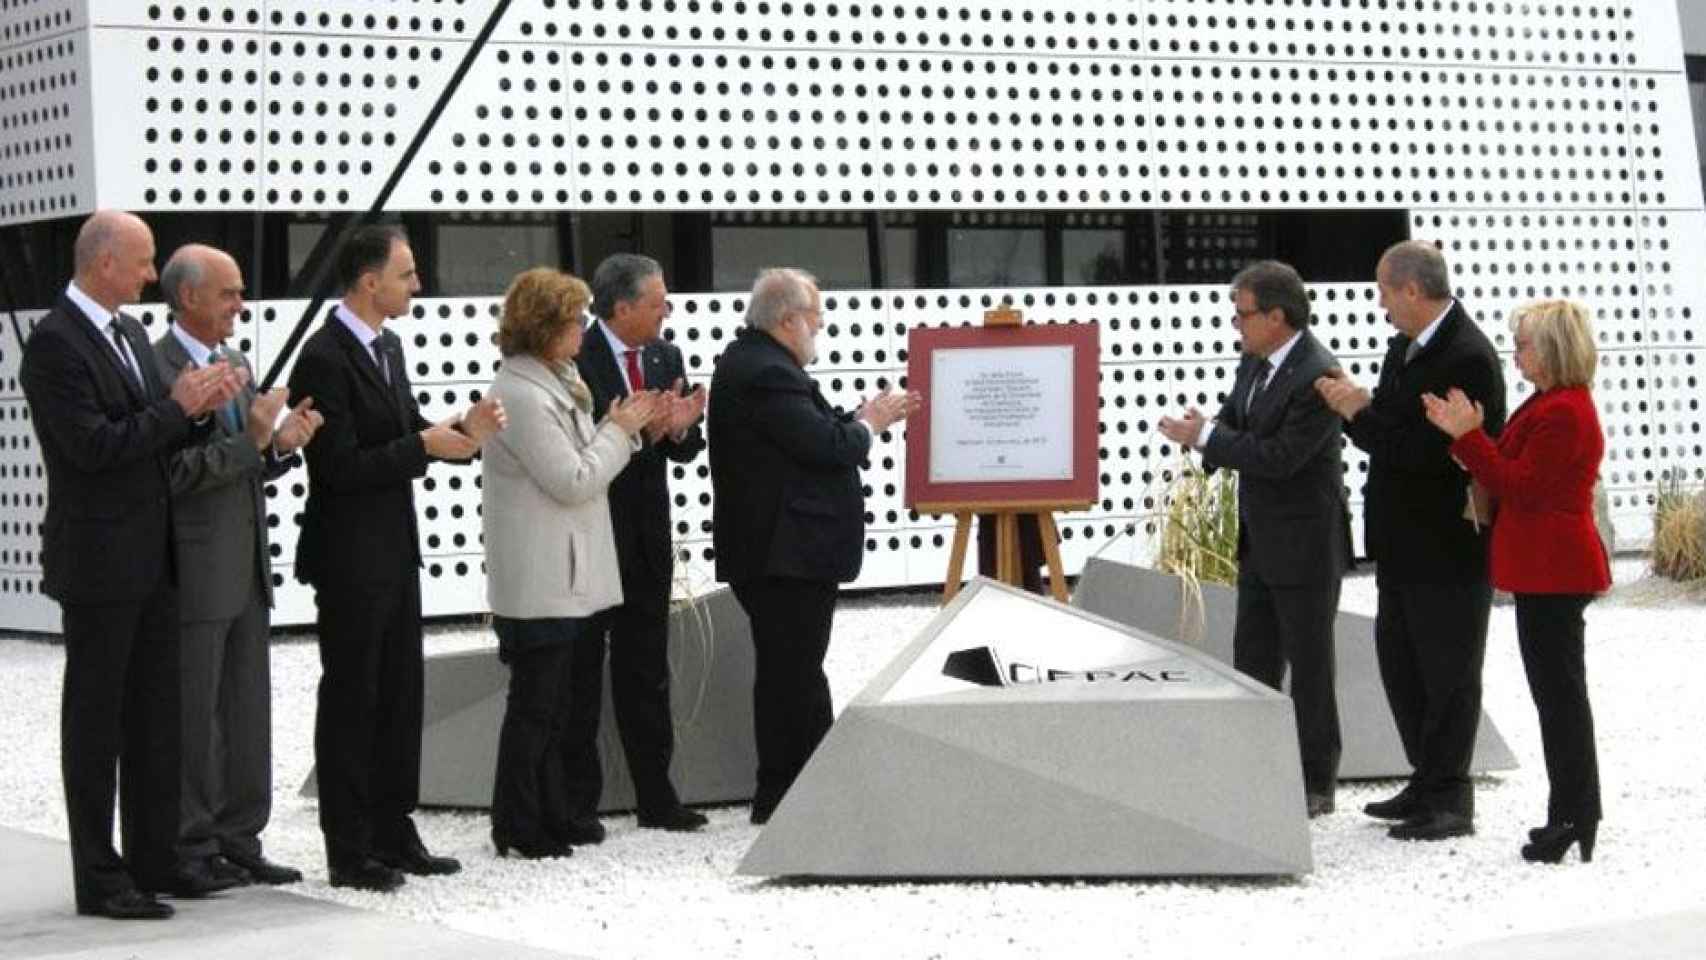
38 920
1673 936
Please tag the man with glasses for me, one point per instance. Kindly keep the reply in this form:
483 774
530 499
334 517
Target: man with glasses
1294 541
789 513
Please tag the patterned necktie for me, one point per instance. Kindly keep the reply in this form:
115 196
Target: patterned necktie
1410 351
232 411
636 379
1260 383
379 358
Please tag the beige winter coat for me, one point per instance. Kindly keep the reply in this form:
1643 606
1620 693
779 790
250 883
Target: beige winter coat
549 547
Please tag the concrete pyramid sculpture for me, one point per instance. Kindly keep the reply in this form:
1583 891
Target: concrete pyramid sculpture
1115 585
710 654
1020 737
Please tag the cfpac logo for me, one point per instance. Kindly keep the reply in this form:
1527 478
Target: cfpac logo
981 666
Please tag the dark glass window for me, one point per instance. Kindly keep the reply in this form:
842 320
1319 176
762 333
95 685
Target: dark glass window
1697 100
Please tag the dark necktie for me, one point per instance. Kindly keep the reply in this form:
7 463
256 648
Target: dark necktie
379 358
1410 351
1259 385
123 356
636 379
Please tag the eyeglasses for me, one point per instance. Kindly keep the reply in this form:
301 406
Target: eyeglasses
1239 316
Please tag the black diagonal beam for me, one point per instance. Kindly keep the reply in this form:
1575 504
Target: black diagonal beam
322 273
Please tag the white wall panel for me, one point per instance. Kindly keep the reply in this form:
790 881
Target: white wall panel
1545 146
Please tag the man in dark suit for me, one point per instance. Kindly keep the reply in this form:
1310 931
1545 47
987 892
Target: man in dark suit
625 354
219 517
1293 530
1430 629
788 513
360 549
108 426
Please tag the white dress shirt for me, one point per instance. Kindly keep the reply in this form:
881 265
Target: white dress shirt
101 317
1275 360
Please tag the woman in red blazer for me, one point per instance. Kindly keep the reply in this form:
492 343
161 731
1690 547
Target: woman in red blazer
1545 548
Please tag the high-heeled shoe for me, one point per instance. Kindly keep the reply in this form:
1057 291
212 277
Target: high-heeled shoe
532 850
1554 841
1535 833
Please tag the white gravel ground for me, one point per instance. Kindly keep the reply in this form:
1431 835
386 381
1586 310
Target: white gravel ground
646 894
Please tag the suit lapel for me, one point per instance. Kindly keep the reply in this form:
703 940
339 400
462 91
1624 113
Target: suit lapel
367 369
104 346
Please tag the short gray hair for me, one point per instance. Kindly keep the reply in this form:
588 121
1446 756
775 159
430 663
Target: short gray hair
778 292
1414 261
618 279
185 270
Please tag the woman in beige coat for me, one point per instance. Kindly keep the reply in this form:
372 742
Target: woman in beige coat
550 564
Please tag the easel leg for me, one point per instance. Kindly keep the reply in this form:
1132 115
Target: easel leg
1051 550
957 556
1007 568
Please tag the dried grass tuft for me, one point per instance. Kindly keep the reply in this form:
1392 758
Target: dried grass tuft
1679 530
1199 537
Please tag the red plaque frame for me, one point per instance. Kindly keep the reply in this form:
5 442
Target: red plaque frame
1078 491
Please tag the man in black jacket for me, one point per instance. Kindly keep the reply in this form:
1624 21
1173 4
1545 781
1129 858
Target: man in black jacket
624 354
1430 560
1293 530
108 426
788 513
360 549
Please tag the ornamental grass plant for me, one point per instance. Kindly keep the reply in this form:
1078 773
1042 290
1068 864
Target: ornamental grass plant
1198 537
1679 529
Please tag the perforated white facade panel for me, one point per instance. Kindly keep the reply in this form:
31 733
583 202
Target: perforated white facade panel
1546 146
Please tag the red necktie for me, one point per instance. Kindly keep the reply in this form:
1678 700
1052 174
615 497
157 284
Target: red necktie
636 380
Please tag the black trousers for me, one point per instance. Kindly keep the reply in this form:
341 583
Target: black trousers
791 708
548 770
1550 632
367 728
118 734
1431 640
639 690
226 725
1281 626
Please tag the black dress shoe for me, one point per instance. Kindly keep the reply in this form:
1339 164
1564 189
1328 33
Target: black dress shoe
222 867
532 849
1401 806
1319 804
262 870
366 874
195 880
679 819
1436 825
580 832
418 862
126 905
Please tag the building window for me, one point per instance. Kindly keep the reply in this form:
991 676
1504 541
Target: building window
997 249
833 246
476 254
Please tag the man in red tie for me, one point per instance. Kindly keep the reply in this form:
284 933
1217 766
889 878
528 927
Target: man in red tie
625 353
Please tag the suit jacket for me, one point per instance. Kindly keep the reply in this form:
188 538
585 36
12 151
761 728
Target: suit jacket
1413 501
219 513
106 443
1294 527
639 499
549 547
1541 473
786 497
358 526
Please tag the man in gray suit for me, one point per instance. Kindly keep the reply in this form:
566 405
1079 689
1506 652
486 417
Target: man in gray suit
219 522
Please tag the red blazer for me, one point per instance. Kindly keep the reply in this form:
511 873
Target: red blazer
1541 475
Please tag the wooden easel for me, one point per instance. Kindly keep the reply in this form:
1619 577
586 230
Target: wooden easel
1009 565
